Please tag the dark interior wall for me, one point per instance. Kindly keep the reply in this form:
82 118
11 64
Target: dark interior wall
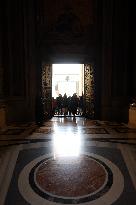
120 101
68 34
132 53
134 68
106 56
120 48
19 59
115 61
1 54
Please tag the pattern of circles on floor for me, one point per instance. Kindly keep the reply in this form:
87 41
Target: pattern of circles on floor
88 178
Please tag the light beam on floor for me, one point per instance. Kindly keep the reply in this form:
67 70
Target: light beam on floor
66 145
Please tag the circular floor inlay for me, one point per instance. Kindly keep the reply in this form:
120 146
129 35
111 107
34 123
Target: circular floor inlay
89 179
70 177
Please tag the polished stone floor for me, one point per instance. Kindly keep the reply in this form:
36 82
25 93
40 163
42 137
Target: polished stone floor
68 161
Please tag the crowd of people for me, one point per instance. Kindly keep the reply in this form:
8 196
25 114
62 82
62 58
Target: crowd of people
61 105
68 105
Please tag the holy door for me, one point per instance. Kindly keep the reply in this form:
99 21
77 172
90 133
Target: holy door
88 90
47 89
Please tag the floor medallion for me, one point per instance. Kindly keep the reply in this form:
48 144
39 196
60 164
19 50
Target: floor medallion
87 178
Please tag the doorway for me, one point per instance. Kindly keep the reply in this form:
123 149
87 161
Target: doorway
68 79
67 89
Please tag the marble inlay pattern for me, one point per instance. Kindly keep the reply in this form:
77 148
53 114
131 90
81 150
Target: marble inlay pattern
22 125
43 130
15 131
92 123
111 185
70 177
125 130
95 131
112 124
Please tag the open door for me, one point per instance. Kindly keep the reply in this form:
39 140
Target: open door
47 89
89 91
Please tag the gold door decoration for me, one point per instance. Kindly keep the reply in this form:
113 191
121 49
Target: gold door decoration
89 90
47 89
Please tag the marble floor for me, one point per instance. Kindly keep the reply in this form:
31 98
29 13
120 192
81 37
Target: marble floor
68 161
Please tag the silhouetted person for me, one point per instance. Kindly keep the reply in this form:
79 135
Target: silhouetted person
65 104
59 100
74 104
81 105
54 106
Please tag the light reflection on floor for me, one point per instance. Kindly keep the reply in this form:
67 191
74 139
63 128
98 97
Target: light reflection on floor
67 145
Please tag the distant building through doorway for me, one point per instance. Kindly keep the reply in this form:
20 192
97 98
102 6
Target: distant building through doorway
67 78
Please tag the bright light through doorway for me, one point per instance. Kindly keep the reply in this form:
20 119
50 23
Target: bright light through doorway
67 78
